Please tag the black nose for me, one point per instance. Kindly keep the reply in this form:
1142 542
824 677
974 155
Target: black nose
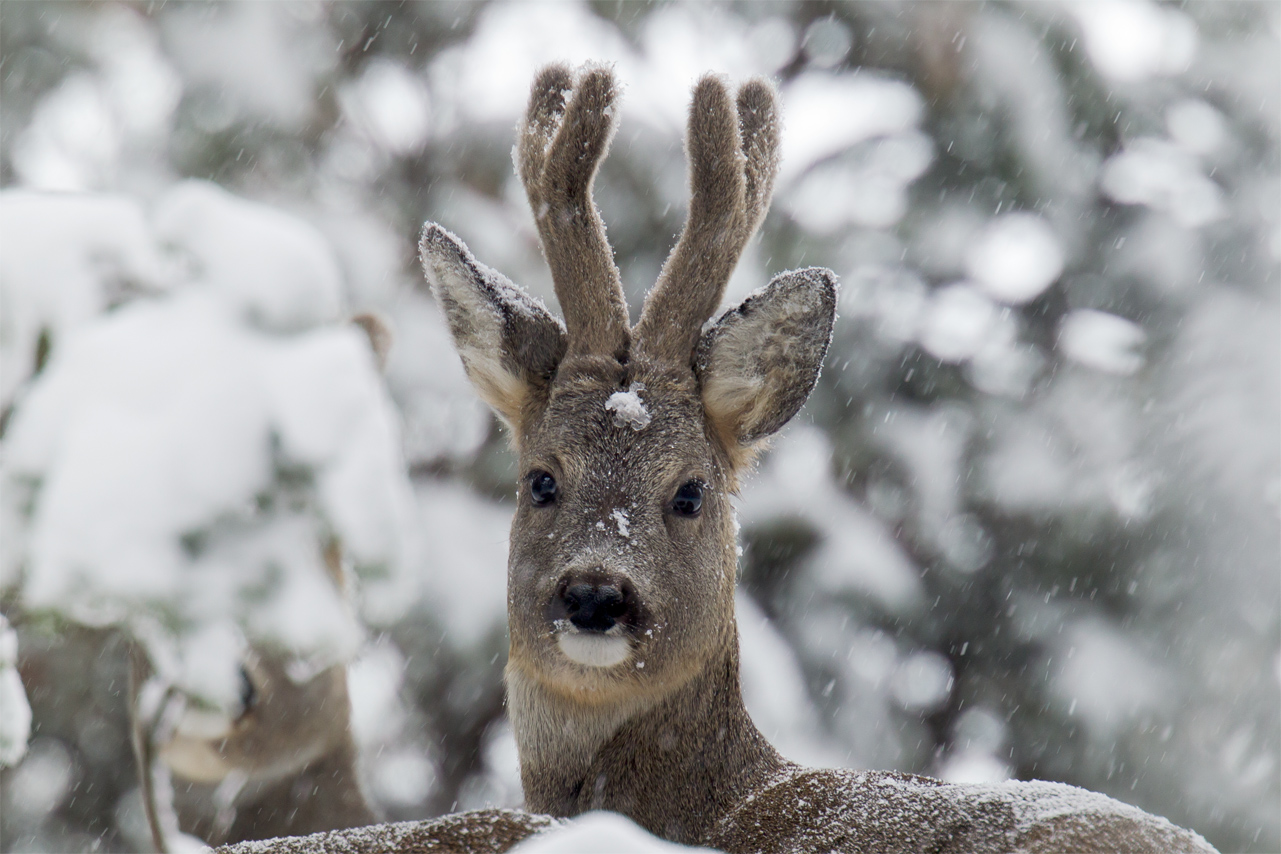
594 607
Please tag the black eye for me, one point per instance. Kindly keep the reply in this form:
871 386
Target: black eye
689 499
542 488
248 693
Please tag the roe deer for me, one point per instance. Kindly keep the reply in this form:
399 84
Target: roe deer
286 766
289 759
623 675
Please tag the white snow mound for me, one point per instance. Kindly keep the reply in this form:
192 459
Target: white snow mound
628 408
186 469
598 831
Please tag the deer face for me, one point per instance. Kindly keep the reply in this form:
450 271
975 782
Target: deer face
282 726
623 551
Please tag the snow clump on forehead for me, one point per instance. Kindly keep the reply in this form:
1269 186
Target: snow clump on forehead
628 408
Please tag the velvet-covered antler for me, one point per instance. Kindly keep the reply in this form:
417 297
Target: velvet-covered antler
733 158
565 134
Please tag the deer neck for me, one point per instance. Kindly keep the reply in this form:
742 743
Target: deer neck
674 764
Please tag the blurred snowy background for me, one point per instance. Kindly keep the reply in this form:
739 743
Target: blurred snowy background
1029 525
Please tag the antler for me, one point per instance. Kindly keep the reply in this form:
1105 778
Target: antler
733 158
564 137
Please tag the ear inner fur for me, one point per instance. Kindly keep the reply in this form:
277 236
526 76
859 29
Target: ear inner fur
758 363
510 345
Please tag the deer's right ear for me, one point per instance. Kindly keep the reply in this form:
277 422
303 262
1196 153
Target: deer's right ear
509 342
759 362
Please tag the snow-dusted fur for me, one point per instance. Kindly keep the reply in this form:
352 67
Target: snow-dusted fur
662 736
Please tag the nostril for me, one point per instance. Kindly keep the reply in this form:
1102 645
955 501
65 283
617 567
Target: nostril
594 607
613 602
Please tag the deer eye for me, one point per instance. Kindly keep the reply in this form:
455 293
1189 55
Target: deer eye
689 499
248 692
542 488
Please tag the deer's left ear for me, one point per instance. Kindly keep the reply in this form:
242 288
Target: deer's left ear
510 344
758 362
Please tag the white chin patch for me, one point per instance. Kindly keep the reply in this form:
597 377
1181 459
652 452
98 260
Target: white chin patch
204 725
593 649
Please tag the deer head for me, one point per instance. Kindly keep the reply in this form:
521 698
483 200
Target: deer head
284 766
623 547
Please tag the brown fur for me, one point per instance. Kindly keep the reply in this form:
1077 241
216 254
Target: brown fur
669 743
509 343
610 737
820 810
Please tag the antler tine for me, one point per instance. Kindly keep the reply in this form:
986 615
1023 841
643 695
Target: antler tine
546 108
758 129
733 158
565 134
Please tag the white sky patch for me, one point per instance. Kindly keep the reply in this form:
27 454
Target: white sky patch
1165 177
1103 677
827 114
1132 40
866 186
96 125
1196 126
922 681
1016 257
628 408
620 519
403 777
957 323
974 766
1102 341
390 105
